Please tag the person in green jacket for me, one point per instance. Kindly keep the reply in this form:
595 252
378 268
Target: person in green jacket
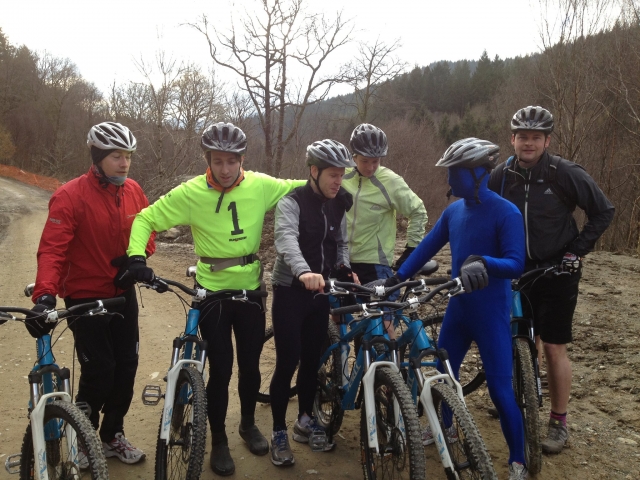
225 209
378 194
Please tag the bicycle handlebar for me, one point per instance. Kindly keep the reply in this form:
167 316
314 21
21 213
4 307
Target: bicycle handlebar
53 316
157 283
542 272
454 286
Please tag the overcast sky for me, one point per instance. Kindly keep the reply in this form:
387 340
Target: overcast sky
103 38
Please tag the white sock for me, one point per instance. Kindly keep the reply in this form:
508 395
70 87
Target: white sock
304 420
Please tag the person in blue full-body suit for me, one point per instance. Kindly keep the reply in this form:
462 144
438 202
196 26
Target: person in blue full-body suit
486 234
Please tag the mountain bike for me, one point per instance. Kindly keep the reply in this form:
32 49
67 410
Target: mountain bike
60 441
183 424
439 396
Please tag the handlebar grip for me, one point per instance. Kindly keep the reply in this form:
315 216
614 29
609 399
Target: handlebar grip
257 293
347 309
436 280
113 302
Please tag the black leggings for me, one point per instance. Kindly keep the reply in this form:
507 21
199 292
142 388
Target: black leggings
300 322
107 349
217 318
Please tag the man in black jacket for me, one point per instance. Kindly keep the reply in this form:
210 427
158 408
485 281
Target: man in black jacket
311 239
546 189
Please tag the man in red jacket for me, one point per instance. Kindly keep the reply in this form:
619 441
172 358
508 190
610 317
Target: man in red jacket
83 244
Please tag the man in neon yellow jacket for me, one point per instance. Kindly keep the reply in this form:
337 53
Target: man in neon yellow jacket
378 193
225 209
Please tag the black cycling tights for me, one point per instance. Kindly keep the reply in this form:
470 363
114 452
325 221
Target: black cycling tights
217 318
300 322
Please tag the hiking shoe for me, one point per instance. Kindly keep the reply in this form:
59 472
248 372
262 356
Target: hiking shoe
220 457
121 447
451 433
493 411
517 471
281 454
258 445
556 438
81 459
313 434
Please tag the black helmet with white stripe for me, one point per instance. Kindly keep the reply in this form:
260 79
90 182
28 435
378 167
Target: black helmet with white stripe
224 137
329 153
470 153
532 118
369 141
111 136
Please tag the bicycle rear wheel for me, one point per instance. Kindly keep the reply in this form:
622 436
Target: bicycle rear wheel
182 457
400 443
524 386
268 367
327 406
63 460
462 438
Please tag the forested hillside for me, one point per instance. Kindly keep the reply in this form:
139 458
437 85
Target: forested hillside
588 77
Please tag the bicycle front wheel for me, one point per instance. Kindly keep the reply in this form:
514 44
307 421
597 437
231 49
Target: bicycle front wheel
268 367
66 459
524 383
401 455
327 406
462 438
181 458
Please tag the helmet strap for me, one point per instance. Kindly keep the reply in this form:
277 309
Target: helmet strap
316 181
478 181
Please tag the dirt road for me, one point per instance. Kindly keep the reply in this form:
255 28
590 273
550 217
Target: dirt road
604 415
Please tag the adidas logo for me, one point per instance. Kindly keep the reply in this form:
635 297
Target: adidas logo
548 191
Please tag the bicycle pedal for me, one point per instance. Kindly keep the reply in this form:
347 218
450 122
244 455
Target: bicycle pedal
12 463
151 395
85 407
318 441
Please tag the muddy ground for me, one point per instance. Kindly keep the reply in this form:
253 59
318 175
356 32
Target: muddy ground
604 412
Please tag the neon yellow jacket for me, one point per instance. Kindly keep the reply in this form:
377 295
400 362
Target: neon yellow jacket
234 231
371 222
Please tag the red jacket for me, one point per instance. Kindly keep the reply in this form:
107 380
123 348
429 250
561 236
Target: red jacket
88 226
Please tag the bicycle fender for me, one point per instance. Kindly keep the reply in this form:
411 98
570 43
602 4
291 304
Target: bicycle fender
37 429
367 383
172 378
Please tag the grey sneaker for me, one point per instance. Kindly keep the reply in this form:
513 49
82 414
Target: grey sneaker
281 453
517 471
450 433
121 448
556 438
313 434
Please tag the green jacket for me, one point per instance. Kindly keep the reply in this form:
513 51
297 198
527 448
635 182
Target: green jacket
234 231
371 222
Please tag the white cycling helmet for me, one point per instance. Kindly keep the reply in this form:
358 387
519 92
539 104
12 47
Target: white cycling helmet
111 136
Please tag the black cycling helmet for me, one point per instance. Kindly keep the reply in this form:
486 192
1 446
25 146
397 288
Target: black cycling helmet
470 153
224 137
369 141
329 153
532 118
111 136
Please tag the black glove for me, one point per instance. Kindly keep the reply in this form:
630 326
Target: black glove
36 322
384 282
407 251
571 263
137 268
342 273
123 279
473 273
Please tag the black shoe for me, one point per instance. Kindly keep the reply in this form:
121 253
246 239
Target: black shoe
258 445
493 411
220 459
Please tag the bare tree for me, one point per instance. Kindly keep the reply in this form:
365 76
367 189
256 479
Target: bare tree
266 50
374 65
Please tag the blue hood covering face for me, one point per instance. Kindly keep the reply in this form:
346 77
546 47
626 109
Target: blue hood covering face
462 183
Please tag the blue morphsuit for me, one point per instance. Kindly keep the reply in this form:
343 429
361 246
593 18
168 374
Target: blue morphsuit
493 229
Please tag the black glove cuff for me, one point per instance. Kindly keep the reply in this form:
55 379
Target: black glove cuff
474 258
137 259
47 300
